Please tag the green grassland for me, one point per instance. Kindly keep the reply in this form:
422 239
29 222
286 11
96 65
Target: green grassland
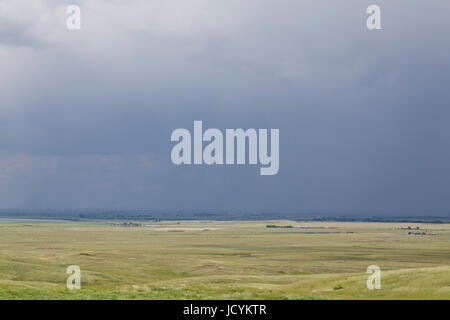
223 260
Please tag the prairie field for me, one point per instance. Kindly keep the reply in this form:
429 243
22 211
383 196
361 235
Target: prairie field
223 260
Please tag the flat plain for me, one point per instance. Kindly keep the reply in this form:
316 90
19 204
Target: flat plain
223 260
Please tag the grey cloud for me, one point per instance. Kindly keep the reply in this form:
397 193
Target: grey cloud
362 115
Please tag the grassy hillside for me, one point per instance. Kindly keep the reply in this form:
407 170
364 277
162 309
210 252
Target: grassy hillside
223 260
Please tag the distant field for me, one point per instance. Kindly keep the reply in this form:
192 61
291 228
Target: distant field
223 260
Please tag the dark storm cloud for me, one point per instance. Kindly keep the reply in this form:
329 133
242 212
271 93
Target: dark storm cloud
86 117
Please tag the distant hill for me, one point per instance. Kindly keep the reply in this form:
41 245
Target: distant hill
87 214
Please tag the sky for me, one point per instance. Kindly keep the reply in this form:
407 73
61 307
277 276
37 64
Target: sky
86 116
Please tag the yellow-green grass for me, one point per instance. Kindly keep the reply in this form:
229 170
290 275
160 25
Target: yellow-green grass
223 260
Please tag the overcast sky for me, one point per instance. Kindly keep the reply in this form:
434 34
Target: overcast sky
364 116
